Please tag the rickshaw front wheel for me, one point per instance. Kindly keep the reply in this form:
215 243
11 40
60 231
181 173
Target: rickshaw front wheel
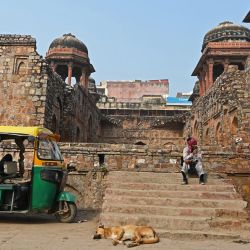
68 214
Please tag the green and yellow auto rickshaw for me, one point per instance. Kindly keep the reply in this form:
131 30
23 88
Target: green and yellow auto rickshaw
33 174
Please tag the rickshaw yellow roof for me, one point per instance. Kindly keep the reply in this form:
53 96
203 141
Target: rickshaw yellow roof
34 131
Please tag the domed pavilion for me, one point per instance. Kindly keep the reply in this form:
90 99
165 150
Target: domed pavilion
226 44
68 56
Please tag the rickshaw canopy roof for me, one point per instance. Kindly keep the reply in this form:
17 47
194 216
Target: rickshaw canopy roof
30 131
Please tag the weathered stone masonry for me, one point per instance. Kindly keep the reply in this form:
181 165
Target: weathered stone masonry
31 94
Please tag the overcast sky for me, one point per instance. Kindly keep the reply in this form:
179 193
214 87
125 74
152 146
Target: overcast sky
127 39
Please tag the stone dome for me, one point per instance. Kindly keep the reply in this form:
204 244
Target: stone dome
68 41
226 31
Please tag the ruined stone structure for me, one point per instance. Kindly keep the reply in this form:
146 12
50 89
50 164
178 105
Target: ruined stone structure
220 112
32 94
137 113
145 134
140 124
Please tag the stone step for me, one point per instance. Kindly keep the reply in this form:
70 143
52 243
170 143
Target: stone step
176 202
174 211
197 235
151 174
164 180
169 222
171 187
174 194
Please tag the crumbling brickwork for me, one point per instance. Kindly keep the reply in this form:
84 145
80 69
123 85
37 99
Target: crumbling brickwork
222 116
31 94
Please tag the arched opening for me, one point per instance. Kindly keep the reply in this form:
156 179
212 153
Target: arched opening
21 70
73 80
207 136
62 70
240 65
218 133
54 124
196 129
140 143
234 126
217 71
90 129
78 134
76 73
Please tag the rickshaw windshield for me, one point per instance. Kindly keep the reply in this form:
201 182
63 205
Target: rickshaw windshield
48 150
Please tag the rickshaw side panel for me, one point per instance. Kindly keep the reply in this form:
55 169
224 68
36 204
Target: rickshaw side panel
43 192
66 196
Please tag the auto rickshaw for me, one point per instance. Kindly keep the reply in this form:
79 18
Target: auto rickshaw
33 174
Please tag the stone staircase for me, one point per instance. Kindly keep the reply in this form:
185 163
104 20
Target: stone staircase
214 210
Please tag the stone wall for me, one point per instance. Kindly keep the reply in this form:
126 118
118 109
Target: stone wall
90 159
150 126
93 161
22 90
222 116
31 94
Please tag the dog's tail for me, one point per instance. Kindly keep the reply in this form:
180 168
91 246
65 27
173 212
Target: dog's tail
152 240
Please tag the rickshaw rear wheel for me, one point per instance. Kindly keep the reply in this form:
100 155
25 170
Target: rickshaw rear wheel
69 215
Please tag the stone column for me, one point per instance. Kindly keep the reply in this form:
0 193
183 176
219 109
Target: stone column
203 77
201 84
83 83
69 73
210 73
53 66
226 64
87 80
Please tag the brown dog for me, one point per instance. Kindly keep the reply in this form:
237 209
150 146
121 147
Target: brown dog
137 234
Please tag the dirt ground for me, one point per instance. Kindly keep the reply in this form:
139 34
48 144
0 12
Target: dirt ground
44 232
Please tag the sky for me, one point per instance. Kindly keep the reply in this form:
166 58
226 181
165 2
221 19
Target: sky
127 39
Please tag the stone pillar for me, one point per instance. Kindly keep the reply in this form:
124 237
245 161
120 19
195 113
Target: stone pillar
210 73
226 64
53 66
83 83
203 77
87 80
201 84
69 73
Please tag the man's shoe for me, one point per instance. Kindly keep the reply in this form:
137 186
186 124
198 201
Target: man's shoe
185 180
202 182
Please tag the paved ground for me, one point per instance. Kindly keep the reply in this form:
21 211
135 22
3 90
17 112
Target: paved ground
44 232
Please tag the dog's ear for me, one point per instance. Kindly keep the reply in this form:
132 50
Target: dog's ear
101 226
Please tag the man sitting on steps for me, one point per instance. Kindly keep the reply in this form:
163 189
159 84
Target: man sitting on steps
192 159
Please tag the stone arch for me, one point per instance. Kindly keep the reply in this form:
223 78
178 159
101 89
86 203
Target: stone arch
218 133
217 70
239 64
140 143
90 128
196 134
234 126
21 69
207 136
78 134
62 70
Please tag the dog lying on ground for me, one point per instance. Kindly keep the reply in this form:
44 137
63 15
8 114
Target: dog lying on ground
137 234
